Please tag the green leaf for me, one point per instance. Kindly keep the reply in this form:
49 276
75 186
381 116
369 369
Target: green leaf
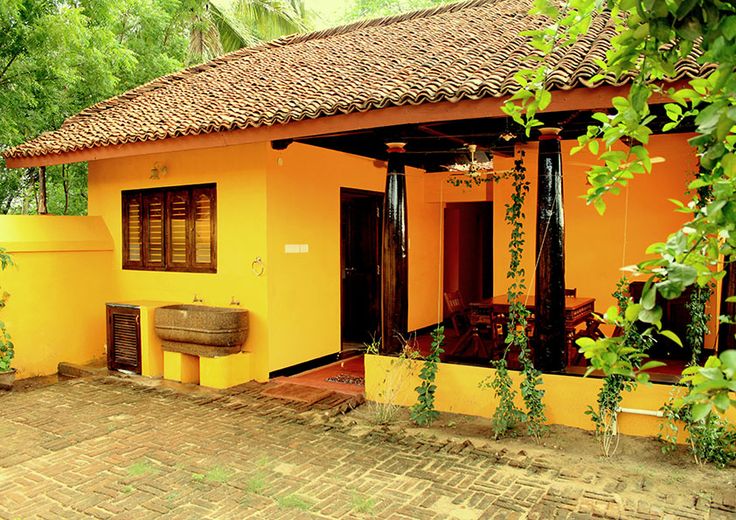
681 273
652 364
600 206
728 359
632 312
671 336
653 316
722 402
700 410
648 296
593 146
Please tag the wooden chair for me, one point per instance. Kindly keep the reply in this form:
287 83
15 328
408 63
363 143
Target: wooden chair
591 329
571 293
458 312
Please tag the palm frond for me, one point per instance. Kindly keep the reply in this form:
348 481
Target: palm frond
271 18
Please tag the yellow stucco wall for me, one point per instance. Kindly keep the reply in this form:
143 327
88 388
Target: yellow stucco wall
266 199
58 289
304 208
240 175
566 398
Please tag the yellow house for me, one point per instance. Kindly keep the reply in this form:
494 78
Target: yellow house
256 181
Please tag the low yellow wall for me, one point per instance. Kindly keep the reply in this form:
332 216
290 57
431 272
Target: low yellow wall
458 391
56 311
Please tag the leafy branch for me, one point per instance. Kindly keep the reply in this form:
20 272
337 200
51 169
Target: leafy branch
423 412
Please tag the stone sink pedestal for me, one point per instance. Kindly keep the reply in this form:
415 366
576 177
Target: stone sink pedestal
201 330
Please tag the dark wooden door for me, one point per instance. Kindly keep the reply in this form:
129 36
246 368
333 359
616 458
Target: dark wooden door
360 213
124 338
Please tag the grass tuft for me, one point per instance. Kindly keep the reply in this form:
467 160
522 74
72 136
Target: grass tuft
141 467
362 504
294 502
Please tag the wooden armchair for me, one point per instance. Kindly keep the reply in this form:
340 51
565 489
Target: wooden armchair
459 312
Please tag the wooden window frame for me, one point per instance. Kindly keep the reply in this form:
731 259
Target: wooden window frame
165 195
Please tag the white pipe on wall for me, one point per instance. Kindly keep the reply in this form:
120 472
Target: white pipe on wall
638 411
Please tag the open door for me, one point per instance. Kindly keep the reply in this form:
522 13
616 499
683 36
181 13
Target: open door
360 214
468 249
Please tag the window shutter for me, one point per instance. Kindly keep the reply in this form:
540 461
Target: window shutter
177 226
171 229
153 227
132 230
204 228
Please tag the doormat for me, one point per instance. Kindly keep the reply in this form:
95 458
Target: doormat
300 393
346 379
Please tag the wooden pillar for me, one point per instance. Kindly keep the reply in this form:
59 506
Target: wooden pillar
549 330
394 255
726 331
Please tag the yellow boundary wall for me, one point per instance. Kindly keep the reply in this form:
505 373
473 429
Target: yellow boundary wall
458 391
56 310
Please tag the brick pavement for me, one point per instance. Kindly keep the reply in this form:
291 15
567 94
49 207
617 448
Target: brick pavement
114 448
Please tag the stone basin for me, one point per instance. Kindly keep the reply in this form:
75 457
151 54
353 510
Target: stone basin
201 330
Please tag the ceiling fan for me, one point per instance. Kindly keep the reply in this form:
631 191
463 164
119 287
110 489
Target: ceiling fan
473 168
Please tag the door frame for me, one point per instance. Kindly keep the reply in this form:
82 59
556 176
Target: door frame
348 193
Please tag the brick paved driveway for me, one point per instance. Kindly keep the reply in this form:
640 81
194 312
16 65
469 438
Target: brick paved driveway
104 448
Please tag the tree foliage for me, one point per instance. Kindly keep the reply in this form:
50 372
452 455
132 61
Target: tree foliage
362 9
653 37
58 57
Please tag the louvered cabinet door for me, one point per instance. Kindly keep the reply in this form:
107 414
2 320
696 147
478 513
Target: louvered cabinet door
123 338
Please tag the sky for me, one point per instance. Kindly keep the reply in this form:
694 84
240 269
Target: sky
329 12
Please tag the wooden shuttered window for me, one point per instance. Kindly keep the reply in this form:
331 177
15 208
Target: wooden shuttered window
170 229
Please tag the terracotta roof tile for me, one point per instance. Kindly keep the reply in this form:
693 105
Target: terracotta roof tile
468 50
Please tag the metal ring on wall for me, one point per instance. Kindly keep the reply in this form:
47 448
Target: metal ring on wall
257 266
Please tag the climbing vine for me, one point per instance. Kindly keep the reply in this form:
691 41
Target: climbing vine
531 391
423 412
622 365
7 351
697 327
507 416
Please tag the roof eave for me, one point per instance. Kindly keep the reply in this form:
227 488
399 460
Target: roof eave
582 98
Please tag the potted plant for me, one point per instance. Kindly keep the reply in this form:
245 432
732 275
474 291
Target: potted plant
7 352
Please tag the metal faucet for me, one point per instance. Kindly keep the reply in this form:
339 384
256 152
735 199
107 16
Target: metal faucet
233 301
196 299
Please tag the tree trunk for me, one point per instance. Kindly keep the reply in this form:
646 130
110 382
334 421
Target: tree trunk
65 185
42 200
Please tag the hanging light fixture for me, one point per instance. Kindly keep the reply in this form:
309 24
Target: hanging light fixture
507 135
158 171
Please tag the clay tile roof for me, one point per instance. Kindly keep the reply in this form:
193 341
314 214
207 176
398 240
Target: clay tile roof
467 50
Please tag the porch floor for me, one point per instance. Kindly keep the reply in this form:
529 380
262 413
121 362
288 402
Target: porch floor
345 376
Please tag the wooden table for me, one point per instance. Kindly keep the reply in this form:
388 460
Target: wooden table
483 313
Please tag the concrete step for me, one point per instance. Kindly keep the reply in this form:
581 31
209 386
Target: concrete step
75 370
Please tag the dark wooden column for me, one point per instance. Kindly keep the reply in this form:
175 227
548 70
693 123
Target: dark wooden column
549 330
727 331
395 255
